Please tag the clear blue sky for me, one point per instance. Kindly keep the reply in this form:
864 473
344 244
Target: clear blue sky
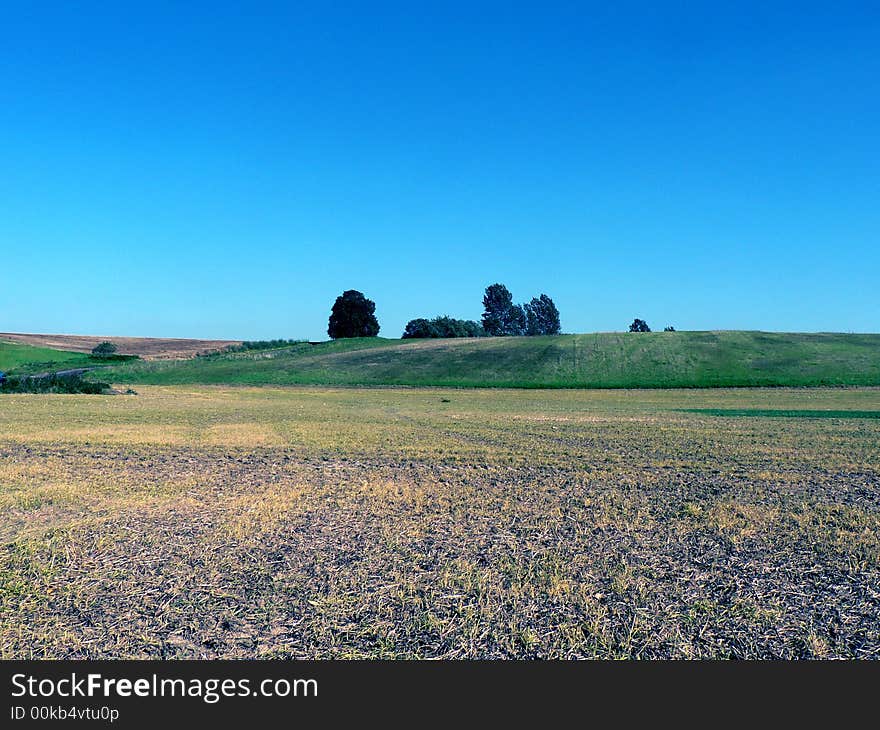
227 169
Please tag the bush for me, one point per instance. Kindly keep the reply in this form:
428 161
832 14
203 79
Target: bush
52 384
248 345
639 325
419 328
442 327
104 349
114 358
669 328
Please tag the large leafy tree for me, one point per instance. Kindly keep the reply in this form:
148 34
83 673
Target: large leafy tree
542 316
639 325
501 316
353 315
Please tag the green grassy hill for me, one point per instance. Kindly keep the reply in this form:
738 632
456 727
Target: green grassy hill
602 360
17 359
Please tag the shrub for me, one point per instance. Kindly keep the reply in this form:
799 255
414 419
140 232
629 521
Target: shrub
248 345
52 384
419 328
442 327
104 349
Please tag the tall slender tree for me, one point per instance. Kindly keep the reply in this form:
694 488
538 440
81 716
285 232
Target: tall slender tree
542 316
501 316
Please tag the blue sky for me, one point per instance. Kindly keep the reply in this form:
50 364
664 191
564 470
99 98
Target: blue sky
227 169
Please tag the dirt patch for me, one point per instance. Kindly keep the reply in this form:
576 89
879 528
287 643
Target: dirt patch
313 524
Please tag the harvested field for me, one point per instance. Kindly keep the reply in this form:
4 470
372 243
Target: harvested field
190 522
148 348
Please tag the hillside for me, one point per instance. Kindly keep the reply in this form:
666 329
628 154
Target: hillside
601 360
18 359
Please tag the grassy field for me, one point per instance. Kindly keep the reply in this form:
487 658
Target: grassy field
196 521
18 359
603 360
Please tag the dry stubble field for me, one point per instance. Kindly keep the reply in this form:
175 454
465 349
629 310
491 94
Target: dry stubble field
194 522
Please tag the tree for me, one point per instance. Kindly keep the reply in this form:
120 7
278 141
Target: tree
501 316
516 322
669 328
471 328
542 316
104 349
639 325
353 315
419 328
442 327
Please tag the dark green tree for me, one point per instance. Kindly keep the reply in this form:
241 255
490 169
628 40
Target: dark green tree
471 328
639 325
442 327
669 328
501 317
353 315
104 349
542 316
419 328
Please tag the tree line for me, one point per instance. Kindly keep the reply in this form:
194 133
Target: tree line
353 315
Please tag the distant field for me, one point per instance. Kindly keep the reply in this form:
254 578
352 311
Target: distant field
207 522
148 348
602 360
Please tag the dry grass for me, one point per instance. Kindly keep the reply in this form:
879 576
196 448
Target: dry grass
211 522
